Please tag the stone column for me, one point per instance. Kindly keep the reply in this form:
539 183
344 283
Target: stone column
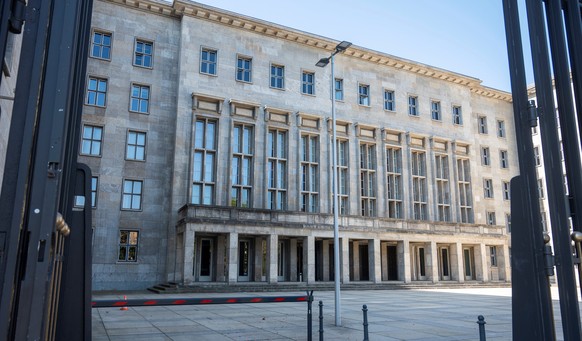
454 260
345 260
232 257
432 262
504 263
481 269
404 264
374 258
325 259
384 262
220 256
272 248
356 260
189 255
460 262
309 259
258 261
293 260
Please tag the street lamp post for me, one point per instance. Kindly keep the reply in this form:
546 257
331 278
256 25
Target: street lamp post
322 63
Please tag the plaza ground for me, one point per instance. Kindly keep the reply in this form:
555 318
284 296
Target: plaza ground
419 314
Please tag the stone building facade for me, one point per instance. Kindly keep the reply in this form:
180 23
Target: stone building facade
209 137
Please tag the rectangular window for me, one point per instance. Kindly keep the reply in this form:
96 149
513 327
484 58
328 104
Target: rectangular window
435 109
537 156
208 61
96 91
91 140
443 188
101 45
500 128
419 190
277 169
364 94
465 196
132 193
308 83
482 125
368 179
242 165
490 218
540 188
543 221
389 100
244 69
394 181
136 142
457 115
343 182
506 192
277 76
508 222
339 89
485 156
493 255
144 53
488 188
140 98
503 159
94 187
128 244
204 167
309 173
412 105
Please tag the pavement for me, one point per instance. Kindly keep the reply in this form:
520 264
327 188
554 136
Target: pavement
419 314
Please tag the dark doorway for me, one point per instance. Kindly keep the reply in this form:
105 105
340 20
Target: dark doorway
392 263
364 263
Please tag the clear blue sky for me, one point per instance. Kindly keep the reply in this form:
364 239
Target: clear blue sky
464 36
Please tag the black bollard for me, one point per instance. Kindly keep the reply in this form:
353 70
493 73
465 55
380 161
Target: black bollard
481 322
365 311
320 320
309 314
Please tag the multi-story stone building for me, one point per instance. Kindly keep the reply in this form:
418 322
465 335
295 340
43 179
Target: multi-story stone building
209 137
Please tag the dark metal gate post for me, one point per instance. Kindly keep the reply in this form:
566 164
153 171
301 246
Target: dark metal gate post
320 320
309 315
365 313
481 322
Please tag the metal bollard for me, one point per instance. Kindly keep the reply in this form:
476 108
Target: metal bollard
309 314
320 320
365 311
481 322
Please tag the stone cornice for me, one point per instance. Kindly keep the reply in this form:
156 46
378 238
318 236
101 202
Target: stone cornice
205 12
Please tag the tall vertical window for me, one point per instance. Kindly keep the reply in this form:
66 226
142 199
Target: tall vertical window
277 76
309 173
538 158
488 188
503 159
508 222
203 177
435 109
308 83
412 105
136 142
244 69
96 91
364 94
482 121
208 61
506 192
490 218
485 156
143 54
544 221
493 255
443 187
132 193
277 169
128 244
540 188
242 163
500 128
368 179
101 45
94 187
394 181
140 98
389 100
91 140
343 182
465 196
457 115
339 89
419 194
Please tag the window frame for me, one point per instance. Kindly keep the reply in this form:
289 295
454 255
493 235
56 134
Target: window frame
128 245
139 99
208 63
506 188
310 164
368 181
96 91
482 125
491 218
143 53
501 130
485 156
457 113
438 110
413 108
503 159
204 151
364 96
394 190
132 194
101 140
389 103
127 144
92 44
339 91
488 188
237 185
307 87
277 183
242 70
275 77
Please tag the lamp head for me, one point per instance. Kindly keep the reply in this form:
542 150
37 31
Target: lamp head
343 46
322 62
